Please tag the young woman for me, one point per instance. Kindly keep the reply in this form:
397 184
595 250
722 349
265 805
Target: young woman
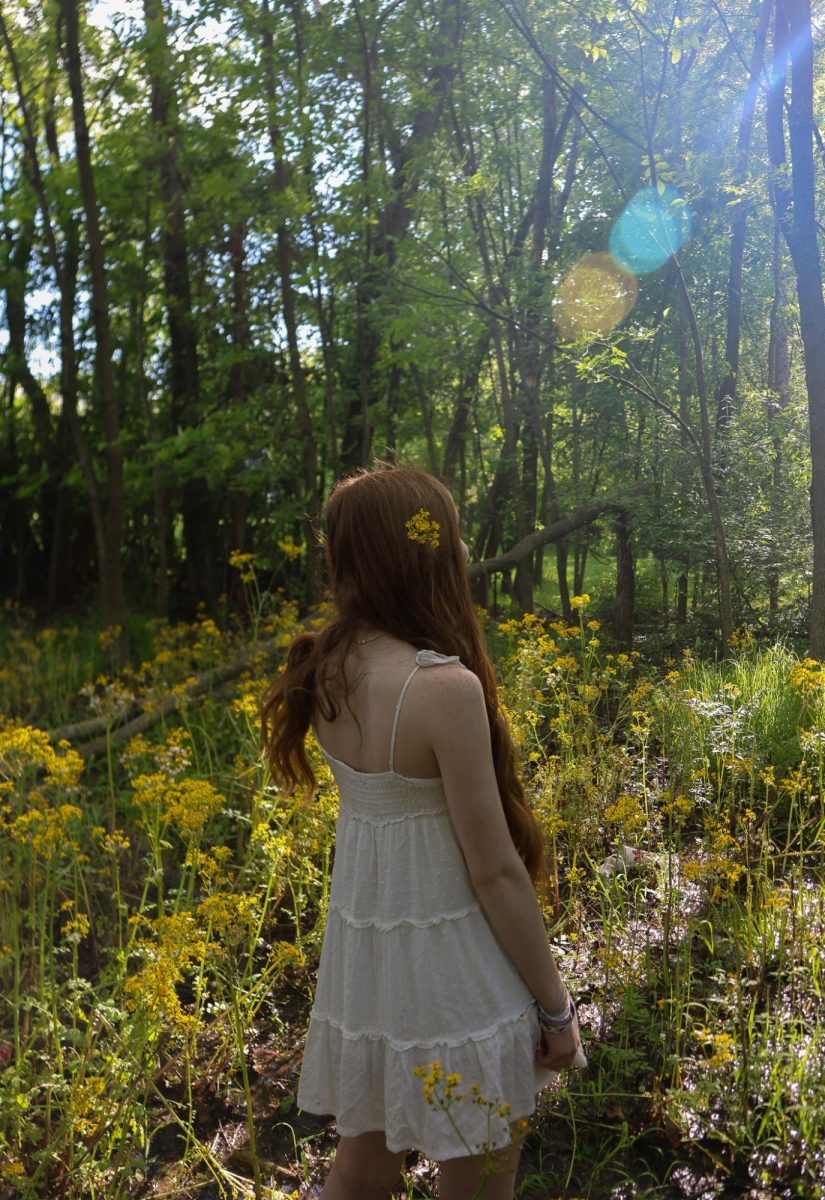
439 1010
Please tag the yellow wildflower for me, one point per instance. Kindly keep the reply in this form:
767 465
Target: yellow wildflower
240 559
423 528
288 547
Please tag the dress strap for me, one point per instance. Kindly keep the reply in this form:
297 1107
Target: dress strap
424 658
407 683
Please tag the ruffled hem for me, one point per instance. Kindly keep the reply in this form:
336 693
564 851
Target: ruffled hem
369 1082
403 1045
417 922
442 1151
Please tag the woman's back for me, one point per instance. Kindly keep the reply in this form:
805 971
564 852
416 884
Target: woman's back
361 734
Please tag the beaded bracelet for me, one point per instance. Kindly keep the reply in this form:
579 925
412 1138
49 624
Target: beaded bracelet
551 1023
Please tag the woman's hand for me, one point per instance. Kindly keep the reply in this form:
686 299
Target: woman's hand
557 1051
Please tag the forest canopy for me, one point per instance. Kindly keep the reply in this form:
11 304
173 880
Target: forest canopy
565 256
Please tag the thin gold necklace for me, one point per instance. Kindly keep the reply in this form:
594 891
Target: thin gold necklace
363 641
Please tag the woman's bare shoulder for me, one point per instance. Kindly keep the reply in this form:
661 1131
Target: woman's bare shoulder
451 686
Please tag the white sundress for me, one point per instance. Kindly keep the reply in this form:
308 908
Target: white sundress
410 973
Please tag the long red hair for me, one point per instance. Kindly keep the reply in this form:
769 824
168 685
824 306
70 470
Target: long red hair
415 591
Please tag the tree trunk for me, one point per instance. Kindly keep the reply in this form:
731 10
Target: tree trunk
111 572
726 392
160 507
531 356
311 498
238 391
800 228
386 224
425 405
199 533
664 585
65 275
706 468
779 395
625 581
32 559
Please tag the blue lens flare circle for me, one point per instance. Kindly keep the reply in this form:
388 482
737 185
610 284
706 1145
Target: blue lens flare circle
654 224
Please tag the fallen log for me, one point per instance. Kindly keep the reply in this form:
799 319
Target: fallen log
552 533
200 684
93 725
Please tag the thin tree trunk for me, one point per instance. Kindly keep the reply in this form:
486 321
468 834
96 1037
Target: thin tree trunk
800 229
238 389
779 395
283 241
386 225
427 420
684 389
199 533
726 392
530 349
625 581
65 275
706 468
111 571
159 501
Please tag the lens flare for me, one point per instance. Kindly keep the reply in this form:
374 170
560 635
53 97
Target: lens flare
593 297
653 225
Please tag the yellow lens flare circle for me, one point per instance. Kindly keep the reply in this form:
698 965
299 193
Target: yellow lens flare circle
593 297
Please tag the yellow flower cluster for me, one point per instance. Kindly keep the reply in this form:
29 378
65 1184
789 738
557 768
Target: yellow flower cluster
110 636
77 927
248 705
85 1105
23 748
679 808
808 676
628 813
229 913
245 563
742 638
212 865
179 944
186 803
719 867
240 559
191 803
290 548
722 1044
432 1076
286 954
441 1090
423 528
46 830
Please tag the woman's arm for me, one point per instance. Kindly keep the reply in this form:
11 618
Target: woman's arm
460 737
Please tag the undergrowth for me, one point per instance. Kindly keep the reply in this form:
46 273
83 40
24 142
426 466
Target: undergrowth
162 906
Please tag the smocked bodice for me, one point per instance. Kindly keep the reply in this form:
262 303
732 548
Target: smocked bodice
381 797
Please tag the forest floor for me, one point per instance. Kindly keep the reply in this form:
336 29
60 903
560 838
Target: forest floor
162 908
